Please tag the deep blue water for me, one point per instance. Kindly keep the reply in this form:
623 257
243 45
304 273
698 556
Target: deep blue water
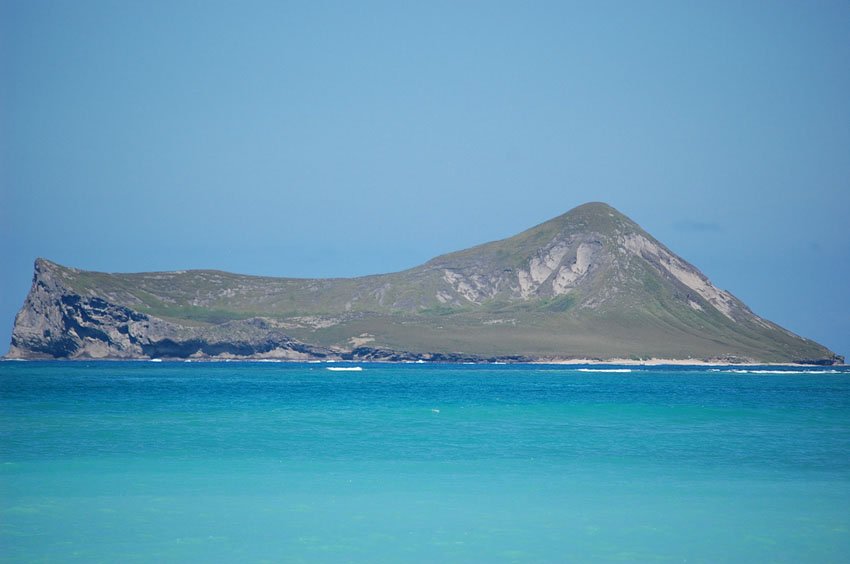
258 462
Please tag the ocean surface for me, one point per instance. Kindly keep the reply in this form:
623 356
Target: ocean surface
275 462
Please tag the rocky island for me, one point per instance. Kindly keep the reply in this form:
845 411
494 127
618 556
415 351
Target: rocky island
589 284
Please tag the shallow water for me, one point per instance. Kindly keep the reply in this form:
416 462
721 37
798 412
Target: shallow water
292 462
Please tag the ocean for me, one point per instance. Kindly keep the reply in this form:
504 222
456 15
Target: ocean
279 462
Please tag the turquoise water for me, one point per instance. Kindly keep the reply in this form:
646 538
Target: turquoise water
219 462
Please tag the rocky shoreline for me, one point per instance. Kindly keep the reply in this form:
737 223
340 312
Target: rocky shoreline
365 355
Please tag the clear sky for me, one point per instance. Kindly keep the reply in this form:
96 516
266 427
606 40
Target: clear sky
345 138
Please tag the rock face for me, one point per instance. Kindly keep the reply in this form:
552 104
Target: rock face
56 322
588 284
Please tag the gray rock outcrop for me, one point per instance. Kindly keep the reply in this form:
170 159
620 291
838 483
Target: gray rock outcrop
57 322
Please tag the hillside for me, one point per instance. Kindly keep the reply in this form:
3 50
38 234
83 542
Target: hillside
587 284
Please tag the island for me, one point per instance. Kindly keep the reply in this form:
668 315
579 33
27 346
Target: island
588 285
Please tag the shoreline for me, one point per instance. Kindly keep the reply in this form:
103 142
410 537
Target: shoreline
541 362
677 362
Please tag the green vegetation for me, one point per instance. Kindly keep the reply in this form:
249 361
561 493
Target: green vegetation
621 304
196 314
556 304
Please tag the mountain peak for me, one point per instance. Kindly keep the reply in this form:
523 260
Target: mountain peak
594 207
591 210
599 217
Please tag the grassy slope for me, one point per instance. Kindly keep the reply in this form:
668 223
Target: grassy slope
399 310
658 328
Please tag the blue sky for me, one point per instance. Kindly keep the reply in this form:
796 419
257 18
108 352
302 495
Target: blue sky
343 138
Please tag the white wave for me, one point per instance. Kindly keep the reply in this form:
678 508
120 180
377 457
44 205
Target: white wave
604 369
745 371
344 368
